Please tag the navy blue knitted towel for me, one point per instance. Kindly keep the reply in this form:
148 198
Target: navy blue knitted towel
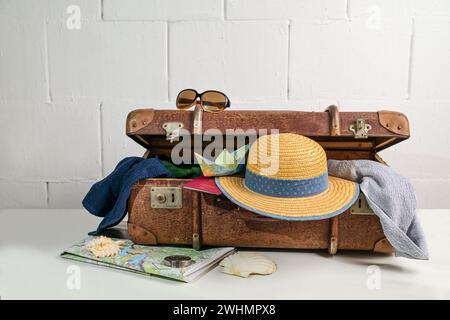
108 198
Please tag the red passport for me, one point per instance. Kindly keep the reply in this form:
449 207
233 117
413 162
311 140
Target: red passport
203 184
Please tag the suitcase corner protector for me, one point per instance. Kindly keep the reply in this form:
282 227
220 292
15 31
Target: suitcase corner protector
140 235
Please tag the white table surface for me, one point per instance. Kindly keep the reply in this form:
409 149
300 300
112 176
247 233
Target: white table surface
30 267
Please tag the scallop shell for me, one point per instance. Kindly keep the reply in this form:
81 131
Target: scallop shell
243 264
104 247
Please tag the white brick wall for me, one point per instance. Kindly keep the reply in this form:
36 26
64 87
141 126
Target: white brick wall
373 59
286 9
430 78
162 10
235 57
64 94
49 142
116 145
124 61
22 63
67 195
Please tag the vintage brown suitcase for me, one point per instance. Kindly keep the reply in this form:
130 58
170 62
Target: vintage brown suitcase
161 212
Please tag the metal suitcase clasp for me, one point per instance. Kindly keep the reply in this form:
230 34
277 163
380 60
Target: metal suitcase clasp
360 129
361 207
172 130
166 197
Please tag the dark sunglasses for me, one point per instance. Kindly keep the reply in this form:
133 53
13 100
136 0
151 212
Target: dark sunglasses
210 101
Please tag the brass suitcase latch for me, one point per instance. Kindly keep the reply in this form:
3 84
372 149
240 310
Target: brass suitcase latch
166 198
360 129
361 207
172 130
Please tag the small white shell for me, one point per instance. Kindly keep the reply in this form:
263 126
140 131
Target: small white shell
104 247
243 264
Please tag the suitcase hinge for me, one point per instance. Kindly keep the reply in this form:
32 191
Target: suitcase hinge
360 129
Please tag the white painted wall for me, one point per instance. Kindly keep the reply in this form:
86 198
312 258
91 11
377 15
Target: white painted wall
64 94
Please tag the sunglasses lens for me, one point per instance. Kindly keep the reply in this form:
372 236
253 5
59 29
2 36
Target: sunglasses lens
186 98
213 101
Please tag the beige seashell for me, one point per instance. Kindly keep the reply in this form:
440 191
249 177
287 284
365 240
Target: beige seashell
243 264
104 247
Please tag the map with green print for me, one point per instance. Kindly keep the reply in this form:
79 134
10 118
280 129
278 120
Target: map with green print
149 260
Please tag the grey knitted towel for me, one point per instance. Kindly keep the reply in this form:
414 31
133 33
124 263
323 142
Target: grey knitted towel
391 196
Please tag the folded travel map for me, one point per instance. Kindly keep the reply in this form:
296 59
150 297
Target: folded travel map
149 260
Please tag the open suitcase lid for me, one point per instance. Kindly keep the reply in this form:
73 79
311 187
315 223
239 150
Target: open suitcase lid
373 131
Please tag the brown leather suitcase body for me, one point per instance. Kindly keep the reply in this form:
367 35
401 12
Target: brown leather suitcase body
162 212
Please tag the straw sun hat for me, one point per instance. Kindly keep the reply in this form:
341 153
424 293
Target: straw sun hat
287 178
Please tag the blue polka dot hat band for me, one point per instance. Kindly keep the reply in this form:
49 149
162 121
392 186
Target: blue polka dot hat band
285 188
